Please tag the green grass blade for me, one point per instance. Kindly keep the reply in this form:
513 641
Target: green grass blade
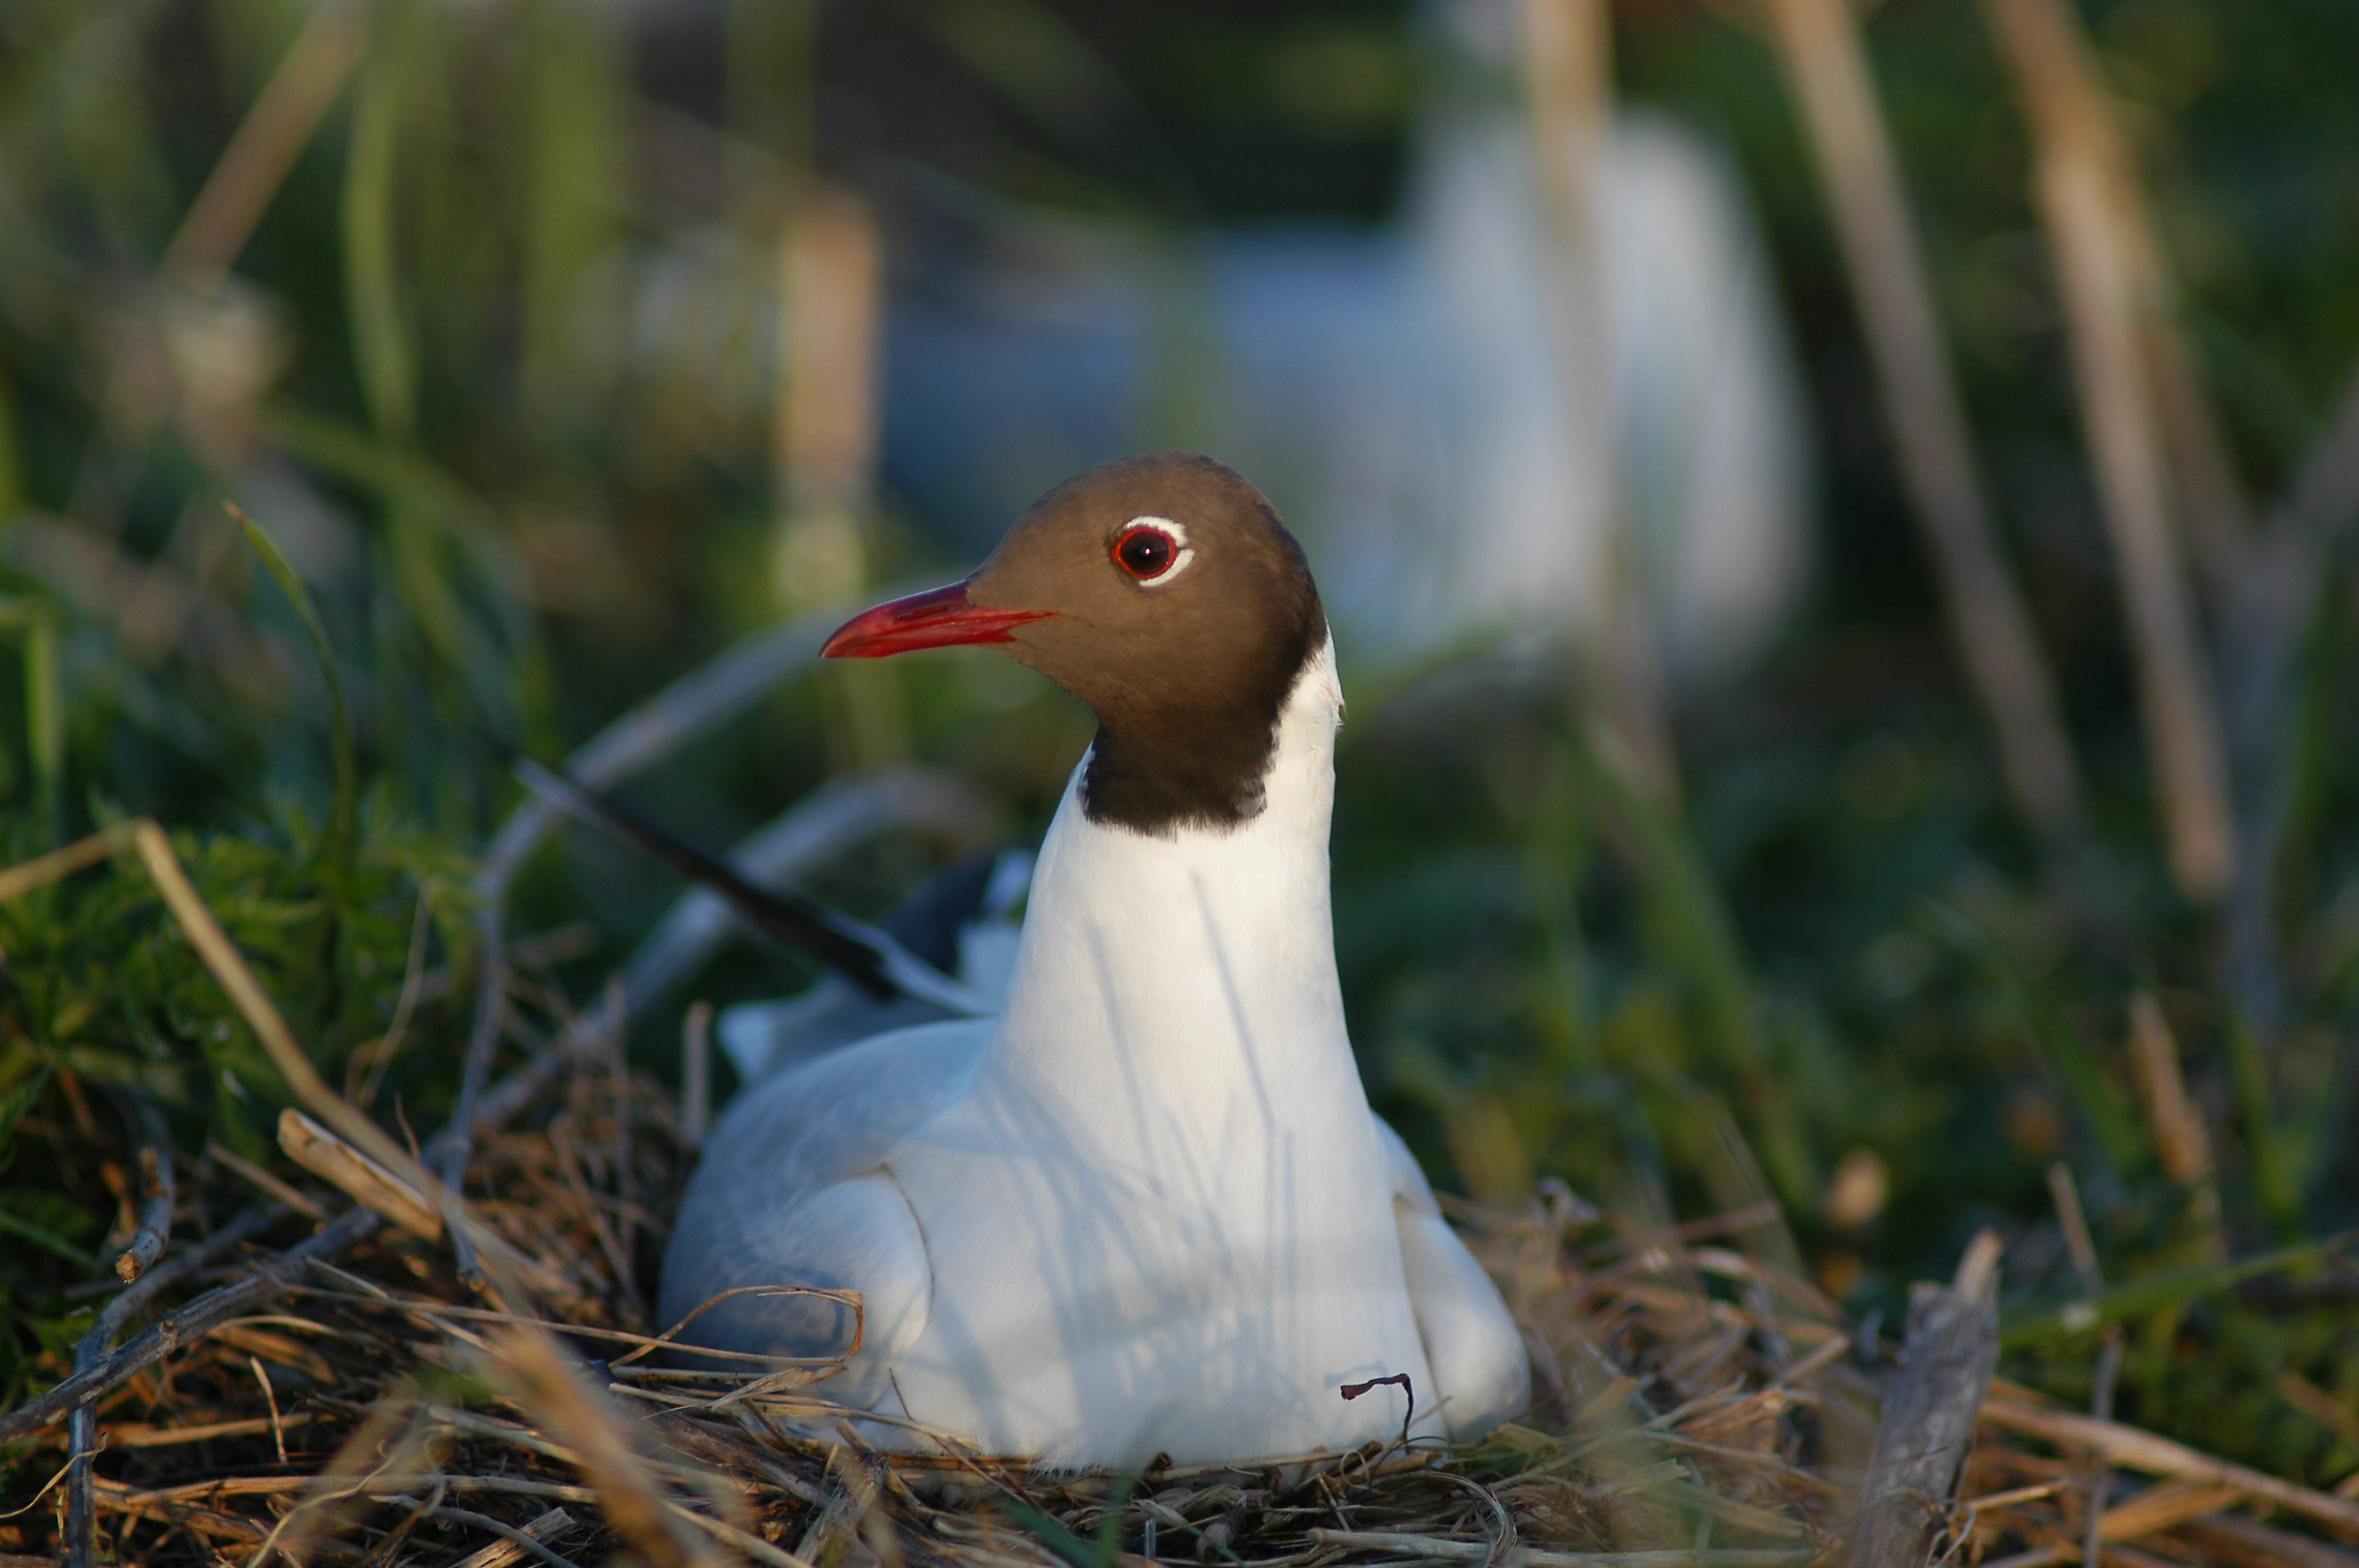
12 472
2042 1326
43 1237
16 1101
382 355
2274 1154
1687 922
426 510
2099 1099
45 717
343 814
573 94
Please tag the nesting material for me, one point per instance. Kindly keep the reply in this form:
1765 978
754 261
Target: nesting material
1695 1404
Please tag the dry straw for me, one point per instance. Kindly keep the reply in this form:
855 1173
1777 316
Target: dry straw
1680 1419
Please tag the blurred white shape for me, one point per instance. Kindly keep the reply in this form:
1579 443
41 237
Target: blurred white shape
1400 395
1409 409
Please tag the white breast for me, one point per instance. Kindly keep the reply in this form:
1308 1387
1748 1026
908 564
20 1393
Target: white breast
1162 1218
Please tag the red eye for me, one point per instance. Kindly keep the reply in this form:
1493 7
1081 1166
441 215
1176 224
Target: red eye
1145 553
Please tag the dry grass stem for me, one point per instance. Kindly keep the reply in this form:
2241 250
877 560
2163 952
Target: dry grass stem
536 1373
2133 1449
1568 60
267 141
2107 281
1819 44
2180 1140
325 1155
829 280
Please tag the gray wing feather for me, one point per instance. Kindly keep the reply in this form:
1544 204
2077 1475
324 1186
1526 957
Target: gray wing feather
792 1191
1471 1340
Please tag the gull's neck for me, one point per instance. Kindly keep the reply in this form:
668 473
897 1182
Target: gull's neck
1202 959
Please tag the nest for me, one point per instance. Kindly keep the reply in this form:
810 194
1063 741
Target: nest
436 1379
1696 1403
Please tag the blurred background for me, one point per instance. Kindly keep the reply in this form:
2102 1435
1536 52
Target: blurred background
1837 521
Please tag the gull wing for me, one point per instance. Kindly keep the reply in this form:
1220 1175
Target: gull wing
1471 1342
793 1191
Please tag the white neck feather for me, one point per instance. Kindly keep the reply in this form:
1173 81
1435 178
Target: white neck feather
1181 963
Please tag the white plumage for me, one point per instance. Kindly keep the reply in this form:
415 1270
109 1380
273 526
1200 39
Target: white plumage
1148 1210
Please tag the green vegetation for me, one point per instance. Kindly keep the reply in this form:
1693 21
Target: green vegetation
481 340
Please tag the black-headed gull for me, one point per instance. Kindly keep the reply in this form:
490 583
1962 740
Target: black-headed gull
1146 1209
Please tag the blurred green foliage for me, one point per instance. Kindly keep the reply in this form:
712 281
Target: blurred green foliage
494 368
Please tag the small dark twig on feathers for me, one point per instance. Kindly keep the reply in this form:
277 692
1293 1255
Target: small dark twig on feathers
1400 1380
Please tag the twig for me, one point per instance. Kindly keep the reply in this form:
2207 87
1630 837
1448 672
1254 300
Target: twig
201 1316
91 1356
2150 1512
1946 1362
301 1203
2236 1539
191 1323
1818 43
229 969
618 1078
174 1436
188 1516
1354 1390
2086 190
840 813
390 1440
1502 1521
685 708
270 1397
514 1544
868 958
156 1196
2319 1406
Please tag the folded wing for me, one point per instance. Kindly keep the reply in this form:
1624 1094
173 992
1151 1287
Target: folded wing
1471 1341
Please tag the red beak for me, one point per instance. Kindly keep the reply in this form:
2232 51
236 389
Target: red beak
940 618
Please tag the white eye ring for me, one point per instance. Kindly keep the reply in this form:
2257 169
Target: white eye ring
1182 552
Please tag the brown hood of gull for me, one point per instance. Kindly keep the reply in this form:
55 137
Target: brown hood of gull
1185 655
